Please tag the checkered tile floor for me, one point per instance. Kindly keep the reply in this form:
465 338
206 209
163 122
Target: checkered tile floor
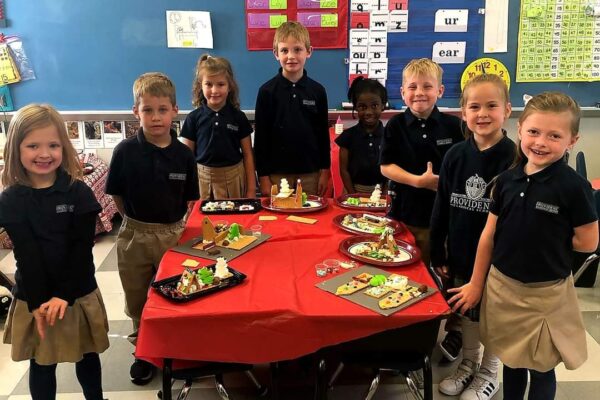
581 384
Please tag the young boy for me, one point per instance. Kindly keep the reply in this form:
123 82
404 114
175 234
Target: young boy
152 178
413 146
292 138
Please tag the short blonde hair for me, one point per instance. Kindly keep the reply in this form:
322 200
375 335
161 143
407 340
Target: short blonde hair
27 119
423 67
208 66
554 102
154 84
292 29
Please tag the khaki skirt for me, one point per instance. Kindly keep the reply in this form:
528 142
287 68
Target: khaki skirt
532 325
222 182
84 329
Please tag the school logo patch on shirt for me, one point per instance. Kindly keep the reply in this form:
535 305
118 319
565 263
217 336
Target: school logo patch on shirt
63 208
177 177
473 199
232 127
549 208
443 142
309 102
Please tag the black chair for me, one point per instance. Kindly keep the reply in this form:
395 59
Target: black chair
585 274
216 369
580 164
406 351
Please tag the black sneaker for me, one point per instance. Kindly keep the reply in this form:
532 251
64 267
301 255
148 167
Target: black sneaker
141 372
451 345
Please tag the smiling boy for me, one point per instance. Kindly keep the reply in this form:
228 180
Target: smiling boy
292 137
152 178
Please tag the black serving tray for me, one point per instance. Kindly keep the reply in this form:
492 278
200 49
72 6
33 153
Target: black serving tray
237 203
167 287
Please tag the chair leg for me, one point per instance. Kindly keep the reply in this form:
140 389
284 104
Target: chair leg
337 372
373 386
221 387
260 389
185 390
412 386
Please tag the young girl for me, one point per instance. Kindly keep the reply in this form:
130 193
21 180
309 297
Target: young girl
50 215
359 145
541 211
218 133
459 215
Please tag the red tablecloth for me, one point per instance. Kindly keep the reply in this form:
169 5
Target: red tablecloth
596 183
277 313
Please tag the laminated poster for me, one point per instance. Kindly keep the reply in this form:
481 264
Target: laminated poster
74 131
92 138
113 133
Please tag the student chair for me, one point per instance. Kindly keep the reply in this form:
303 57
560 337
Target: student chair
216 369
580 164
405 351
585 274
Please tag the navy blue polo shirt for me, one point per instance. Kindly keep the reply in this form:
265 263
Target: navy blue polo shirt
410 142
217 134
155 183
292 134
364 147
536 217
463 200
52 231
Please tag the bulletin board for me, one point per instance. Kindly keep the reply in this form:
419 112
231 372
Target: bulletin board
86 54
326 21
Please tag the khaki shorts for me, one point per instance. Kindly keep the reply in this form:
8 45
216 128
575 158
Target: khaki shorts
222 182
140 247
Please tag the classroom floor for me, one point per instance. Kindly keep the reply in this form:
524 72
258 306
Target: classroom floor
581 384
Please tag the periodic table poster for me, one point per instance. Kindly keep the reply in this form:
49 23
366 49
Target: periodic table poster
559 40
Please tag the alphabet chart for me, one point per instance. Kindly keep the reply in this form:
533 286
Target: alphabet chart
559 40
386 34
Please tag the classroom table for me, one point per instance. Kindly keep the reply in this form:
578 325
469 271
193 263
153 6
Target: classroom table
277 313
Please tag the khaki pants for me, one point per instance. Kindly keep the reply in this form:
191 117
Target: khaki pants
222 182
310 182
140 247
364 188
422 241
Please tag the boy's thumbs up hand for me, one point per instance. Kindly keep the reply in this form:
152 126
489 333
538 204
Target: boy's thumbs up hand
428 179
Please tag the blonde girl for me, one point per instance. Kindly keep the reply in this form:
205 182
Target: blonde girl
459 214
541 212
218 133
50 215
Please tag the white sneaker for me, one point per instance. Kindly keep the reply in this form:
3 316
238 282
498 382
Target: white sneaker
458 381
483 387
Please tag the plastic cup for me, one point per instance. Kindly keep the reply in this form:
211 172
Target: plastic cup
256 230
321 270
333 265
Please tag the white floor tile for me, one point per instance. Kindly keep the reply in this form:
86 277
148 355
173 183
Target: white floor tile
10 372
589 298
588 372
8 265
109 282
114 306
102 247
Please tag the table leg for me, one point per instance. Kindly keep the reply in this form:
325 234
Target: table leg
274 369
167 375
427 379
321 380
